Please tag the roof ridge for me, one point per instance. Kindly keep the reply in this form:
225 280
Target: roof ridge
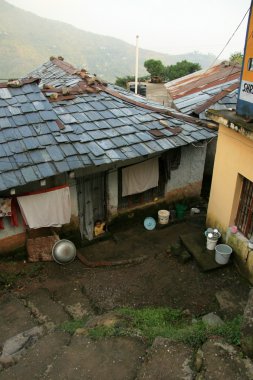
176 114
19 82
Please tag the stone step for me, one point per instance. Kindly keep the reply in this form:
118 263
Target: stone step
195 243
44 308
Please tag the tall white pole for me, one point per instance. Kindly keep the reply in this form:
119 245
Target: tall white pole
136 65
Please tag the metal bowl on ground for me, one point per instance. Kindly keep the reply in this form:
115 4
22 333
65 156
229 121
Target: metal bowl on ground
64 251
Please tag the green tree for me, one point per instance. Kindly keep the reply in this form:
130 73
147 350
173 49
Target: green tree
236 57
155 68
181 69
122 81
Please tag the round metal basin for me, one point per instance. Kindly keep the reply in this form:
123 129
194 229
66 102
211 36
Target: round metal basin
64 251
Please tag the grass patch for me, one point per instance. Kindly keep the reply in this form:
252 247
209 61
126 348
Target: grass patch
103 332
149 323
71 326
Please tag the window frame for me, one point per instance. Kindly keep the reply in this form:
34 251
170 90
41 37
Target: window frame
244 217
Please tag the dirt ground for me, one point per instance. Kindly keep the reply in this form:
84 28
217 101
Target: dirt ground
161 280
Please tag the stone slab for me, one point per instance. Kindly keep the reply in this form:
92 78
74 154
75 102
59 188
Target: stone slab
38 358
112 358
222 361
195 243
14 318
45 308
73 300
167 360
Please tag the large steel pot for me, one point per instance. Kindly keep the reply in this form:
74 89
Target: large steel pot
64 251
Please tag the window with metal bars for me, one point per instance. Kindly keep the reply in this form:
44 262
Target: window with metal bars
244 218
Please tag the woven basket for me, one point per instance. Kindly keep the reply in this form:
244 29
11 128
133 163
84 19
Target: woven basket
40 248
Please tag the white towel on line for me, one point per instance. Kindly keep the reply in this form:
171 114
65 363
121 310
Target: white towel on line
140 177
49 209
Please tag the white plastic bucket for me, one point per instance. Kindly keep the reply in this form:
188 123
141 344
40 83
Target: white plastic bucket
222 253
163 216
211 243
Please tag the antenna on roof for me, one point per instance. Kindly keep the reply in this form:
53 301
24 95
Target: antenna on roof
136 65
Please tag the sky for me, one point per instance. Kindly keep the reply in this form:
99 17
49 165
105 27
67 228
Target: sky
167 26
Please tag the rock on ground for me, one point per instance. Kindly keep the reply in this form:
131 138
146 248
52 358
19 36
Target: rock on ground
38 359
230 303
16 345
222 361
212 320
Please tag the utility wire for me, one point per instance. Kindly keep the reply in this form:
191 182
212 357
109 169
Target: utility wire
217 57
231 37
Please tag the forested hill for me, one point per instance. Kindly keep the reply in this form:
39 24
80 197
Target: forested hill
27 40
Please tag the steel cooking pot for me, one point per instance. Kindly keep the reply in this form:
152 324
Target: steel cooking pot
64 251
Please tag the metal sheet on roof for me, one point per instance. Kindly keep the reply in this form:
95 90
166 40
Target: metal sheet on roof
191 91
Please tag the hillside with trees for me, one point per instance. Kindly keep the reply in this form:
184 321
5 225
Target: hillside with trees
27 40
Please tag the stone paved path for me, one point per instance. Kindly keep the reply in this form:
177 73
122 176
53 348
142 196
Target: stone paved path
50 354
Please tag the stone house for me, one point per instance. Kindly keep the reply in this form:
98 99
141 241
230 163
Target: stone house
75 150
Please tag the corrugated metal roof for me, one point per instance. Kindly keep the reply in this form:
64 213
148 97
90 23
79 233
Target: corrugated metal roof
194 93
41 138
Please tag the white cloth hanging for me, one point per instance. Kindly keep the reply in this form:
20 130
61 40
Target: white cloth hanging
140 177
47 209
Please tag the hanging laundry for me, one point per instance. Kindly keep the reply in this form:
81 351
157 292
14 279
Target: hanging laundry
140 177
51 208
170 161
14 212
5 207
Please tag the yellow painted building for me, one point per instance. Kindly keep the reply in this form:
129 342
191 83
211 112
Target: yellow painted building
231 197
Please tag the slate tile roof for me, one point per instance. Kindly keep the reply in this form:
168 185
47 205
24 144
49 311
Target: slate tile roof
216 88
42 136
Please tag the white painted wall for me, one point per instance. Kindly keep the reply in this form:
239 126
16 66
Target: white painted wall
73 197
191 167
112 192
